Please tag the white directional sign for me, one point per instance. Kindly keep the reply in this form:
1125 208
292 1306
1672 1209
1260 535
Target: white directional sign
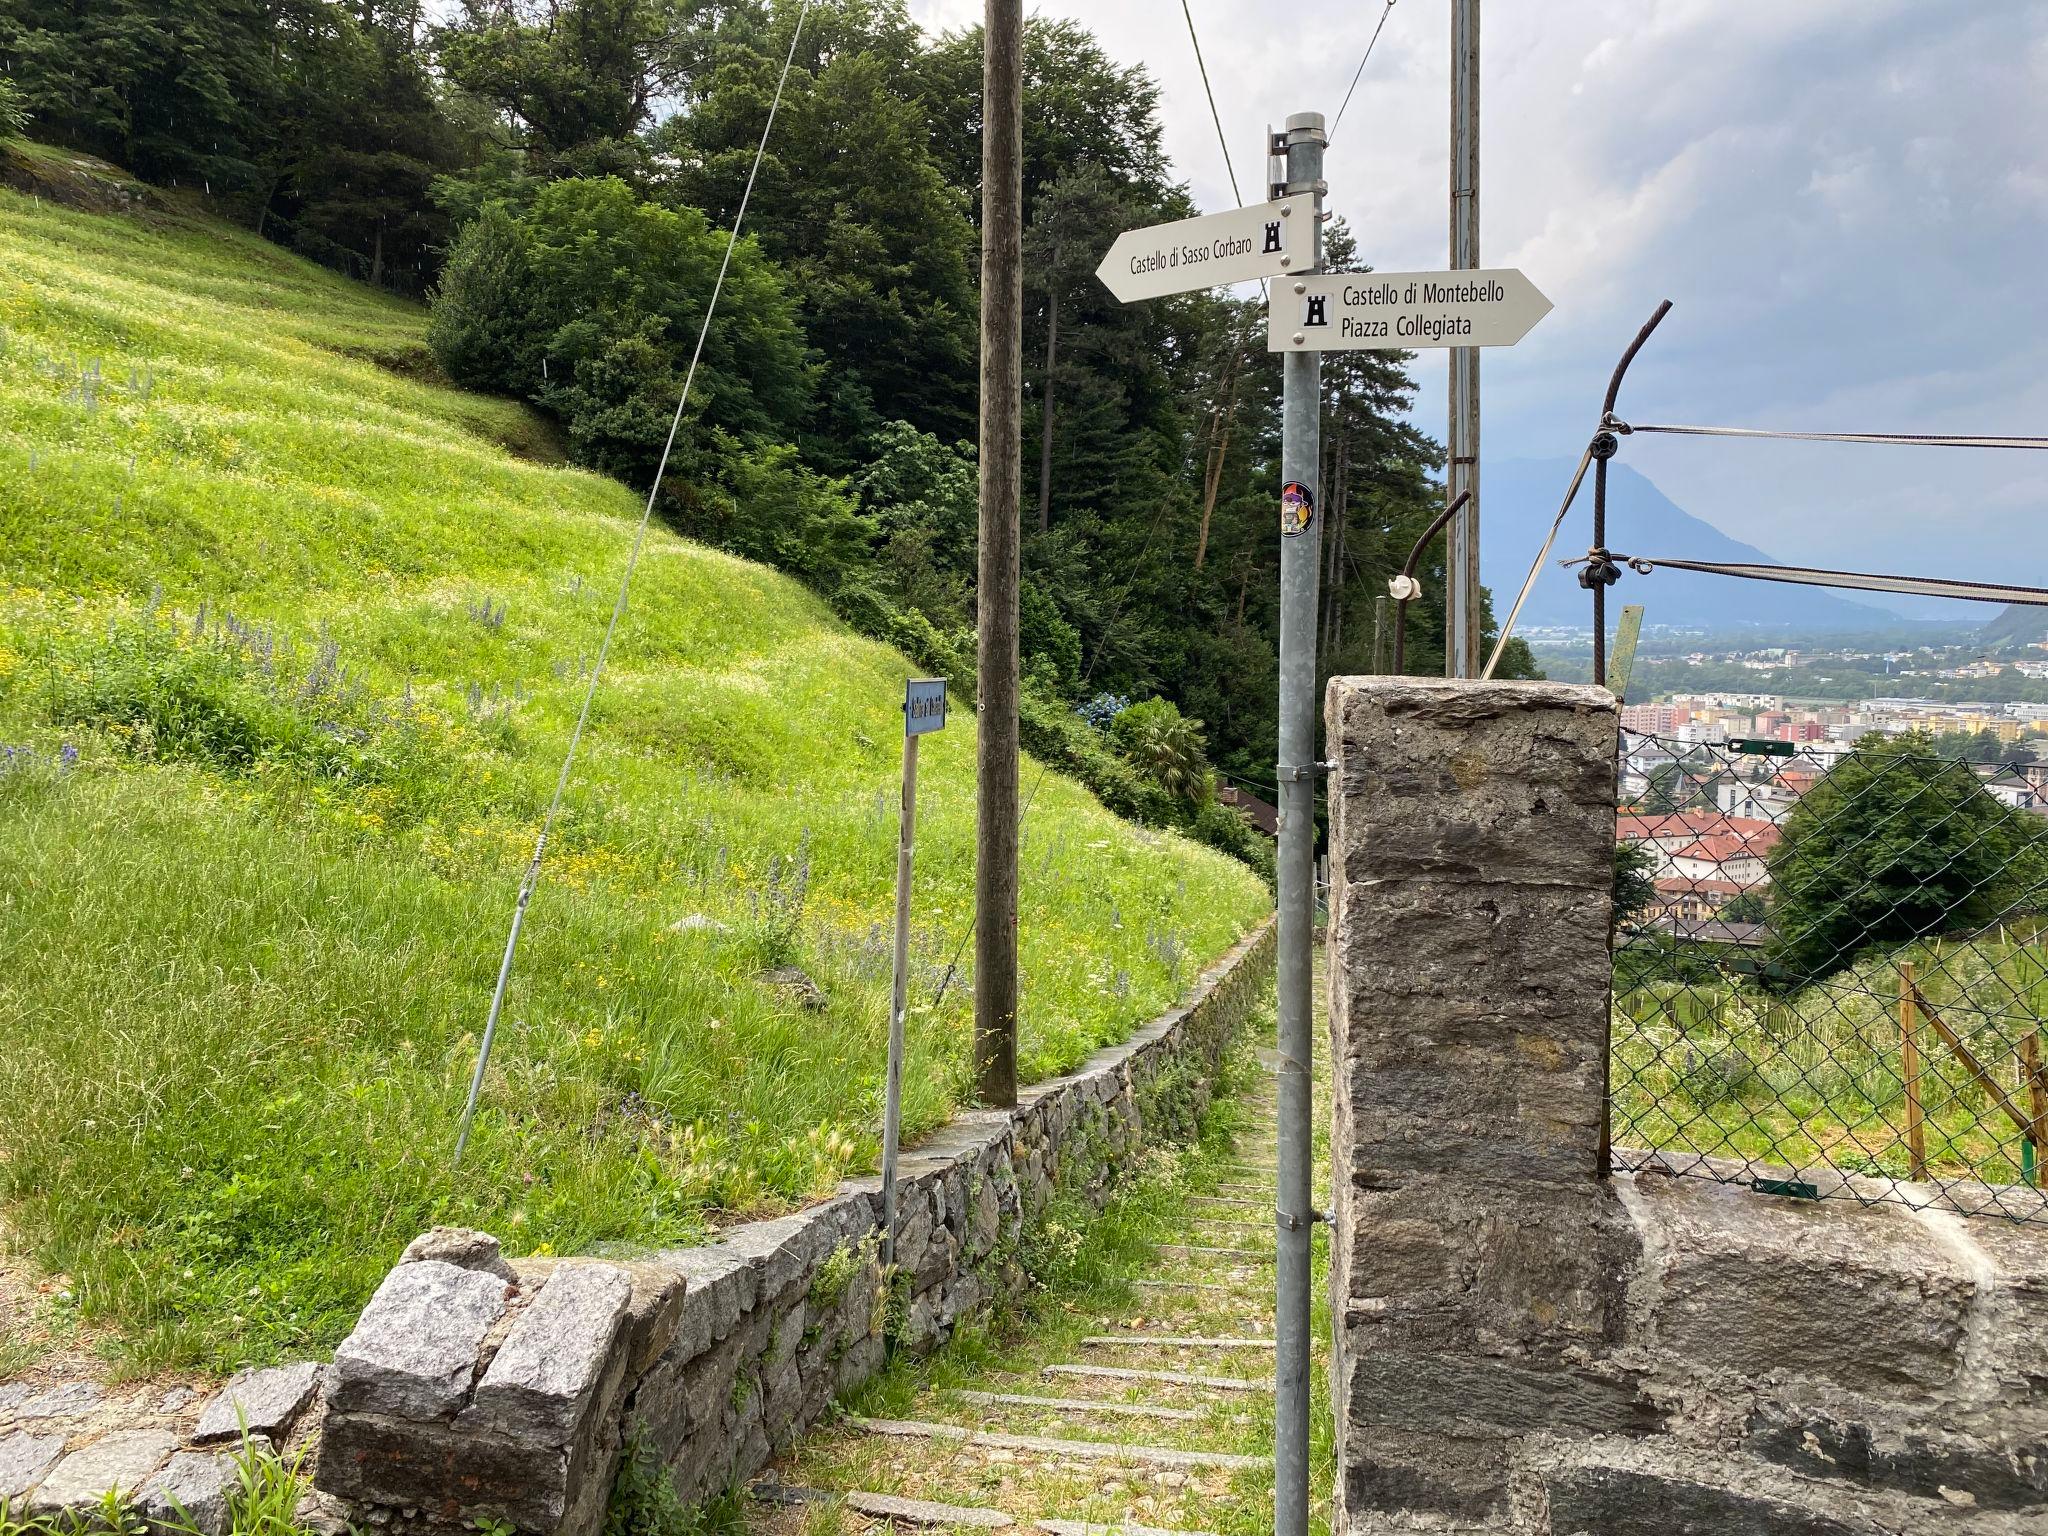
1232 247
1349 311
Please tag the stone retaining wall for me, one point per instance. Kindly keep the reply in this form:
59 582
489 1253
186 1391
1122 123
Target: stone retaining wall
476 1390
1525 1346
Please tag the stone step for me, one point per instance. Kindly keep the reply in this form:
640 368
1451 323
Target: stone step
1212 1201
1076 1405
928 1515
1192 1251
1172 1341
1169 1378
891 1507
1252 1189
1218 1227
1187 1285
1042 1445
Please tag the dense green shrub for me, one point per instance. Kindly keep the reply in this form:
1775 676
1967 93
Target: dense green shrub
482 328
590 302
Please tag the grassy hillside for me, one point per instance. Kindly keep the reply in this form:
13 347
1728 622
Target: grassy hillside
290 642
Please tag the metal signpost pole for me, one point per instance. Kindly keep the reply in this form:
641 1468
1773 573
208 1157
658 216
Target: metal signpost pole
1301 536
1461 471
924 709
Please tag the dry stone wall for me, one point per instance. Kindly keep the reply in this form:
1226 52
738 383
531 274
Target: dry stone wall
1526 1346
476 1390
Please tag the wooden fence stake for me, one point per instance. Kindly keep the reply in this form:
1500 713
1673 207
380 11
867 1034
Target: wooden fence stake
1909 1049
2037 1094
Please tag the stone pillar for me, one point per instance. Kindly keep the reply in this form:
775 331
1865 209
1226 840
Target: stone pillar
1476 1247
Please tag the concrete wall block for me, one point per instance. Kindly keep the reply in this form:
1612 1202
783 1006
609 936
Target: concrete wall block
1505 782
1474 1395
1536 1269
414 1352
1862 1297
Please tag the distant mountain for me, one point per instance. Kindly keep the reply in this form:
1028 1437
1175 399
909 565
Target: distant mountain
1519 499
2016 625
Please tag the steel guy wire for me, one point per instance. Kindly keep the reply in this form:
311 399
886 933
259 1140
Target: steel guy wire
1507 629
1214 116
1815 576
1885 439
1360 71
533 868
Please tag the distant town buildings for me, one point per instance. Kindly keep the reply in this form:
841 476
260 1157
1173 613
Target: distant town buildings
1716 718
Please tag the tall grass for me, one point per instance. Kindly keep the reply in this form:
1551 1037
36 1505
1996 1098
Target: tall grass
291 638
1818 1076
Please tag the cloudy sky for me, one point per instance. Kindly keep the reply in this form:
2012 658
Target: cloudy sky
1846 201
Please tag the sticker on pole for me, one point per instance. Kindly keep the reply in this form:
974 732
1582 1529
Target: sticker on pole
1297 509
924 705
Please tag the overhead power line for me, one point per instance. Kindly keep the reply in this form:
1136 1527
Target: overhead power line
532 876
1359 73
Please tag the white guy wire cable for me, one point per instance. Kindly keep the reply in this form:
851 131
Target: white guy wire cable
1360 71
1885 439
1507 630
532 876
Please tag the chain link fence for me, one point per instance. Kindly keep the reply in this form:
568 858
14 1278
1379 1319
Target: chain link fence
1831 971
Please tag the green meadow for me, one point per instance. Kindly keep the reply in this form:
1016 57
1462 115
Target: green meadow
291 640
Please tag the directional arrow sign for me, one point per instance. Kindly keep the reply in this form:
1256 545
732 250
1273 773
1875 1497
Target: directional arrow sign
1263 241
1348 311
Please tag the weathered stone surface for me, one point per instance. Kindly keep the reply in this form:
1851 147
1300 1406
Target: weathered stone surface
1651 1488
1526 1345
24 1458
1886 1446
414 1351
1449 780
795 981
452 1476
1860 1296
543 1378
68 1399
1469 1394
654 1313
190 1493
267 1401
464 1247
119 1462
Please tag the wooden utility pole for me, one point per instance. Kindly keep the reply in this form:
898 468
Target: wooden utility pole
1002 397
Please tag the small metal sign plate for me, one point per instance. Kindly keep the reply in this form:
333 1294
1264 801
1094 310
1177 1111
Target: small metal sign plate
924 705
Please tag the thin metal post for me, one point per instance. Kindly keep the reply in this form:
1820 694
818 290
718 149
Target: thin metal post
1300 566
892 1098
1461 564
